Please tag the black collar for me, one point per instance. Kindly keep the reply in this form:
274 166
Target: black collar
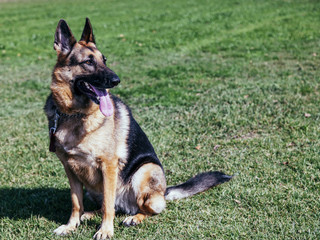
64 115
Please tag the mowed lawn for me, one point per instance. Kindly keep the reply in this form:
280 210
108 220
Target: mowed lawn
223 85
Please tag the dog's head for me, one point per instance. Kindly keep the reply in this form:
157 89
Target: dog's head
81 75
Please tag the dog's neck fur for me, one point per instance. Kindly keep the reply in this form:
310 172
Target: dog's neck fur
91 117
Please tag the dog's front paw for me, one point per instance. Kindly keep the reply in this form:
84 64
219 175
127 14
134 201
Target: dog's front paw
131 221
103 234
64 230
88 215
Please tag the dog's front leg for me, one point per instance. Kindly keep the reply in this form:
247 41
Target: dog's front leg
77 204
110 175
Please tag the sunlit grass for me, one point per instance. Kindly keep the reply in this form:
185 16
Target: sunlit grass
216 85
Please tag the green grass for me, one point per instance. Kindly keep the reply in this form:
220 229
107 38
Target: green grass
235 78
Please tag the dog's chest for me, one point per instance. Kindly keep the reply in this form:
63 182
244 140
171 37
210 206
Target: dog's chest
83 151
75 138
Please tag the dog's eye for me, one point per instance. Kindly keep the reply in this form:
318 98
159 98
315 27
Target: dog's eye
89 62
104 59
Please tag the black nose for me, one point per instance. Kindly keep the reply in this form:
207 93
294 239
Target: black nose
115 81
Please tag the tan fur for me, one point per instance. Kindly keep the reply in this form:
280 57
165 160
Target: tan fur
89 155
86 147
93 149
109 172
149 186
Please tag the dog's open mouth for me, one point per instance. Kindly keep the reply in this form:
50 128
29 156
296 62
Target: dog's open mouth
98 95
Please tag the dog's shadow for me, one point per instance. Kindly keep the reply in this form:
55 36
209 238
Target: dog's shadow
23 203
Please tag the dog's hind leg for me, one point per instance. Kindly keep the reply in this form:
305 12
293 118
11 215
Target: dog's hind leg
149 205
149 186
77 204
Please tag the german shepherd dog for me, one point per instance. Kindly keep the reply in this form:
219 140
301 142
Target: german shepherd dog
99 143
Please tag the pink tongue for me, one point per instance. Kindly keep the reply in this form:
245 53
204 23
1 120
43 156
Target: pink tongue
106 106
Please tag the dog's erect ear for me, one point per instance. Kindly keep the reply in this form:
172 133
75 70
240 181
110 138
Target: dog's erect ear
87 34
63 39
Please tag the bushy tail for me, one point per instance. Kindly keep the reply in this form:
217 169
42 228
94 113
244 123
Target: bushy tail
197 184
